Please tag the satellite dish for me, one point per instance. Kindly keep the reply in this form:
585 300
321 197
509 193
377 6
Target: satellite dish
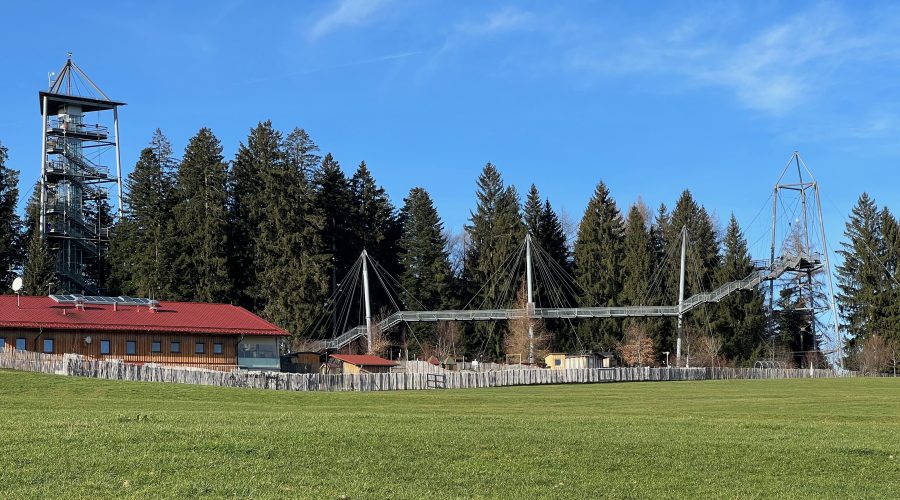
17 285
87 340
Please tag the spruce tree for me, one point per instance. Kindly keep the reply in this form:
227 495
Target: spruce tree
740 318
334 202
303 153
201 222
142 241
496 235
552 238
701 261
860 275
39 266
9 220
291 279
599 253
532 212
889 317
375 228
639 259
426 277
254 165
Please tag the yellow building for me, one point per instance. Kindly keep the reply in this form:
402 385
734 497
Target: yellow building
362 363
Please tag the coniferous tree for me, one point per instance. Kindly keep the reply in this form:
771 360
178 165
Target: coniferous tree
303 153
201 222
39 267
249 181
9 220
532 212
639 259
375 228
426 276
141 246
599 252
334 201
740 318
701 262
495 235
861 275
889 317
552 238
291 272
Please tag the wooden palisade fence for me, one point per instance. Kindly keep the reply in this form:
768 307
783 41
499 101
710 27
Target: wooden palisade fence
74 365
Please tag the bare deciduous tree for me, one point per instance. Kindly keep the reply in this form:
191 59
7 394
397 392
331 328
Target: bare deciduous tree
517 342
875 356
637 348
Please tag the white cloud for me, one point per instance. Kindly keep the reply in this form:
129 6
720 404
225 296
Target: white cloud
774 69
505 20
347 13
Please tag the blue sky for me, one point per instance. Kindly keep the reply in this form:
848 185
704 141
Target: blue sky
708 96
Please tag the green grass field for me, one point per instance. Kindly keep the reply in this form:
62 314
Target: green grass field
68 437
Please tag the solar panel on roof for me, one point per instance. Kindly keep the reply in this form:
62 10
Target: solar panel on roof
98 299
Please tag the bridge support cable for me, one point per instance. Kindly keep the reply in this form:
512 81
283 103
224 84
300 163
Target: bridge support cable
554 281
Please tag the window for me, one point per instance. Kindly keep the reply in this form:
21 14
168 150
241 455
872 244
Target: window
557 362
199 347
156 346
175 346
48 345
131 347
2 343
104 347
20 344
217 348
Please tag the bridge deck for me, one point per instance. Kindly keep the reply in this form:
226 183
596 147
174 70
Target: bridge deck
716 295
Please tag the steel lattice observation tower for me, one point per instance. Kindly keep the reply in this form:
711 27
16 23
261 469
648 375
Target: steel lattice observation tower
75 180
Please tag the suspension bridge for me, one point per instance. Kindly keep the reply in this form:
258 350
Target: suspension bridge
802 261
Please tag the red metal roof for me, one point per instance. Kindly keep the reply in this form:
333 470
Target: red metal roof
363 360
171 317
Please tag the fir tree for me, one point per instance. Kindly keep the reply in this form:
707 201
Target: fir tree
426 277
860 275
201 222
9 221
740 318
495 235
599 252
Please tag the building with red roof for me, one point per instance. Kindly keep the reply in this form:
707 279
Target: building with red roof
218 336
362 363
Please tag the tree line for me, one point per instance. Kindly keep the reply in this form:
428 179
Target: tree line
276 228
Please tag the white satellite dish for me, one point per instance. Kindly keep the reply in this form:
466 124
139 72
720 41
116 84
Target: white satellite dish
17 285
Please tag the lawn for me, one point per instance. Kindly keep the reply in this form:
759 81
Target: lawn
70 437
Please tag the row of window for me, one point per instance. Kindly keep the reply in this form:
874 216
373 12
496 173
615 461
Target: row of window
130 346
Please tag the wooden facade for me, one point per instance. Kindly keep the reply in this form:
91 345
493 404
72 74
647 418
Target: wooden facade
132 347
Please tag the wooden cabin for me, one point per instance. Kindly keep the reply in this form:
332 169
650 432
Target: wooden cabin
301 362
561 361
362 363
216 336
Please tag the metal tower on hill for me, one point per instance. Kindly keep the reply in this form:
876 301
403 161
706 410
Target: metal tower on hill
74 178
